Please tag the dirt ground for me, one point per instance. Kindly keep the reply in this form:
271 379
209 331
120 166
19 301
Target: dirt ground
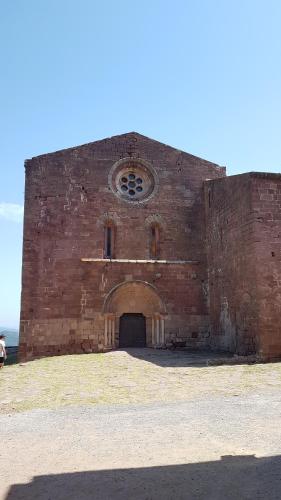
140 424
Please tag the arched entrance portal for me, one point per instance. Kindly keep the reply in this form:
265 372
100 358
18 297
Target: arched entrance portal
134 316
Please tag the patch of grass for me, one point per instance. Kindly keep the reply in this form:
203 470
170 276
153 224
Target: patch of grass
118 378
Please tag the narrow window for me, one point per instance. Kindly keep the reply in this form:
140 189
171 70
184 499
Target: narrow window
154 241
108 241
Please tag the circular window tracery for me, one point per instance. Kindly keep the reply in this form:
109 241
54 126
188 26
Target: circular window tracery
132 180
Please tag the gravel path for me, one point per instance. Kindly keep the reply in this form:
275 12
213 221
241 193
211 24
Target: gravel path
222 448
140 425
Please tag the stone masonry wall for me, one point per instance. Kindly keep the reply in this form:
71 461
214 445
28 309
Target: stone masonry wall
266 196
243 215
232 269
68 201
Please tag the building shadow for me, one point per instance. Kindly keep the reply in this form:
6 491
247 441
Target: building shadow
231 478
12 355
183 358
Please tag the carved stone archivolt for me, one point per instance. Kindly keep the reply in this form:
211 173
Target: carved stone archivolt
134 297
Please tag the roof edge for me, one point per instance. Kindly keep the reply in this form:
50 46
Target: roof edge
259 175
128 134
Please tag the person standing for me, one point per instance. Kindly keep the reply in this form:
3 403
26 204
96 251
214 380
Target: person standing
3 353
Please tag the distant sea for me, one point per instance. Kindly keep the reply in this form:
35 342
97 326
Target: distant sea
12 336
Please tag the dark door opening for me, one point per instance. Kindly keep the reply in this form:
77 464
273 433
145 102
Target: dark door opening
132 331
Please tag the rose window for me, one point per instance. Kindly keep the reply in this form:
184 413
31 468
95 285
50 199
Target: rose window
131 184
132 180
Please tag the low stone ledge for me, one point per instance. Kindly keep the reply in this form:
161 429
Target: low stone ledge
234 360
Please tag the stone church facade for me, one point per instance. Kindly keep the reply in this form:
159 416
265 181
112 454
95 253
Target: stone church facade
130 242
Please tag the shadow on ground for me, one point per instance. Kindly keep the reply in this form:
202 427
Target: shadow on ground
12 355
231 478
167 358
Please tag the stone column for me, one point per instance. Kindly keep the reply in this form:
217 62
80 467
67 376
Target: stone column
162 331
105 330
113 331
157 331
110 331
152 331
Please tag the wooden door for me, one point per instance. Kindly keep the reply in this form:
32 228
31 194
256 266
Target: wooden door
132 332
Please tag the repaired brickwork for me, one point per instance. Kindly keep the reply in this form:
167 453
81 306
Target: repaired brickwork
125 226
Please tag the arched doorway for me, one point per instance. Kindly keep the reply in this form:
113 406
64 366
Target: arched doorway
134 316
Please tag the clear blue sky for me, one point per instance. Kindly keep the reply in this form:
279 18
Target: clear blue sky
202 76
